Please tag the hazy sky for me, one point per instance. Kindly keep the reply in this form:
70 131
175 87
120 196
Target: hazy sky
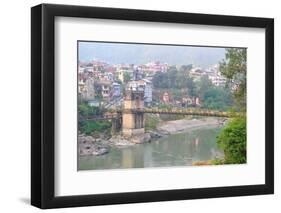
116 53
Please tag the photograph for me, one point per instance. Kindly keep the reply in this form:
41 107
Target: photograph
143 105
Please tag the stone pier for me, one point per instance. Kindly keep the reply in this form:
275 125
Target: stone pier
132 117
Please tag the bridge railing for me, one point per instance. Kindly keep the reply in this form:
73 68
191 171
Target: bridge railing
187 111
116 113
106 116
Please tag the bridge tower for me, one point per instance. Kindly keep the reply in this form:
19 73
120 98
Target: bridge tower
133 115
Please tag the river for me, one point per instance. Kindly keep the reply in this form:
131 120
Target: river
179 149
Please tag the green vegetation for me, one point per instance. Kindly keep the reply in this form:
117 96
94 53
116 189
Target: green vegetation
232 139
214 97
185 68
89 127
217 161
151 122
180 84
217 98
234 68
173 79
127 77
85 110
203 86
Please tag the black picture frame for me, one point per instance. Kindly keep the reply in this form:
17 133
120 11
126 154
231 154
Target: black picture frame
43 102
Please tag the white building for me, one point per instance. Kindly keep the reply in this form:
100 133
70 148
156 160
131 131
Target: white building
147 91
215 75
115 90
196 73
81 69
122 71
89 91
145 85
217 80
89 69
105 88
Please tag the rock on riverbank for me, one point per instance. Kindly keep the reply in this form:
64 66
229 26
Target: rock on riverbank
89 145
119 140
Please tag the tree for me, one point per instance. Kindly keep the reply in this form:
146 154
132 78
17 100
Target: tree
160 80
181 80
185 68
217 98
173 79
172 76
89 127
204 85
232 139
85 110
191 87
234 68
127 77
165 80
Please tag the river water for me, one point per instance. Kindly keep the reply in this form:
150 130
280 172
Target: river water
174 150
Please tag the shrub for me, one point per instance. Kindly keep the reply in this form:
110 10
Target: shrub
89 127
151 122
232 140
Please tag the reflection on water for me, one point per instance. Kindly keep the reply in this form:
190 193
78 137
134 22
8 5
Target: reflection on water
175 150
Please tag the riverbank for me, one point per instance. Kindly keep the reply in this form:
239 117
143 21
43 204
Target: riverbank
93 145
177 126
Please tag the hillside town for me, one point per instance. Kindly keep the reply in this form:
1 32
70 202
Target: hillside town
102 84
157 110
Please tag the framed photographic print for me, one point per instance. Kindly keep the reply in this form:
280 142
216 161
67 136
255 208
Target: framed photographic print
139 106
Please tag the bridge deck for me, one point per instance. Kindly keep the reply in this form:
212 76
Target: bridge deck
197 112
116 114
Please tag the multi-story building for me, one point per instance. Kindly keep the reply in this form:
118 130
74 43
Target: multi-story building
166 98
81 87
196 73
157 67
217 80
144 85
147 92
122 70
115 90
215 75
89 90
105 89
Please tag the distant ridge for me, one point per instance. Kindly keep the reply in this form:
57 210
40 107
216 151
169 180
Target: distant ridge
117 53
